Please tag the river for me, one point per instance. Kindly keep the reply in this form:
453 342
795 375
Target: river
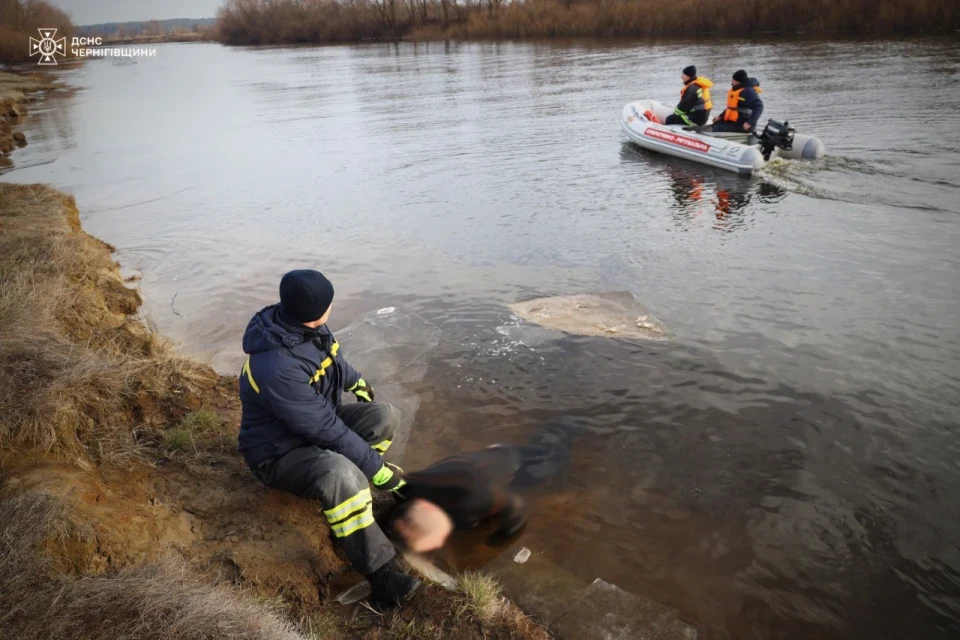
787 466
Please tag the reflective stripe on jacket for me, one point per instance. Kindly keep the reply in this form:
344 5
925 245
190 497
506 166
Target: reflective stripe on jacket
699 98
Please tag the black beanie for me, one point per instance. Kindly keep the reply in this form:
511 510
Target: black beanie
305 295
690 71
740 76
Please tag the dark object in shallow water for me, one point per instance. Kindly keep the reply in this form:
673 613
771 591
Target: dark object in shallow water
547 453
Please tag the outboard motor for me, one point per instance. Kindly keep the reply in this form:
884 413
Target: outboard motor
776 135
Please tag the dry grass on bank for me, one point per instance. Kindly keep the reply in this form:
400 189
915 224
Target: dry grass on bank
14 87
80 376
161 601
47 591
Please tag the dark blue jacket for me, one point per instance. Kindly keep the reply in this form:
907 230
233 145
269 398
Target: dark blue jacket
290 388
750 99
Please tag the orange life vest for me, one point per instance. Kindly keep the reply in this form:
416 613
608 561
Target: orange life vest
703 93
733 104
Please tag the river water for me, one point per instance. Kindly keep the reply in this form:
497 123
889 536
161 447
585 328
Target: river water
787 466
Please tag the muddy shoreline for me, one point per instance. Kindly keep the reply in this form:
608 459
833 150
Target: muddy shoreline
16 90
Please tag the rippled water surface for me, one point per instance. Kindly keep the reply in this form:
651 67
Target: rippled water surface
786 467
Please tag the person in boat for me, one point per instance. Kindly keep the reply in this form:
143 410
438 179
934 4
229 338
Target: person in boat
297 436
695 103
744 106
478 489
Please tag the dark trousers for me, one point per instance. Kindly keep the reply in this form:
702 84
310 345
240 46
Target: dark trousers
341 488
726 126
690 119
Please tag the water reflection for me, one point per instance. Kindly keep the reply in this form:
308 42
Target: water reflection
704 196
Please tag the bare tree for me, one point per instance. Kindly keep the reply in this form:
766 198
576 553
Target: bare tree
11 14
458 9
388 14
412 11
154 28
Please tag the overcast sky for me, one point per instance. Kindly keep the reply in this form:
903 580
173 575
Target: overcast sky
94 11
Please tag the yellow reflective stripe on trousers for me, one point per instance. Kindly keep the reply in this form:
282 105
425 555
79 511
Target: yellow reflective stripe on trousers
359 521
382 446
348 506
246 370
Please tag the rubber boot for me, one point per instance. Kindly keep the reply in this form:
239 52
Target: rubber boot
390 586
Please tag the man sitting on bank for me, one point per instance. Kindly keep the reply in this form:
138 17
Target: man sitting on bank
695 103
744 106
297 436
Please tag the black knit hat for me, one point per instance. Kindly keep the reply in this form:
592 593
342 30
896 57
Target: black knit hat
305 295
740 76
690 72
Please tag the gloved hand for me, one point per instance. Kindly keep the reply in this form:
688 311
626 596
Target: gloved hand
389 478
362 390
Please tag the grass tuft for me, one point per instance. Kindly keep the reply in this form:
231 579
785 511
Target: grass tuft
482 596
324 624
413 630
178 439
202 421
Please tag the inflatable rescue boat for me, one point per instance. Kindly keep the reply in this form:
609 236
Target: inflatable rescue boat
743 153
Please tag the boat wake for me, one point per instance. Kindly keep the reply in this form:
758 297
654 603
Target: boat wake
853 180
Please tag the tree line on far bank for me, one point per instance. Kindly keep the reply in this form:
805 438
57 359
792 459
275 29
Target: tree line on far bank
19 21
311 21
146 27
